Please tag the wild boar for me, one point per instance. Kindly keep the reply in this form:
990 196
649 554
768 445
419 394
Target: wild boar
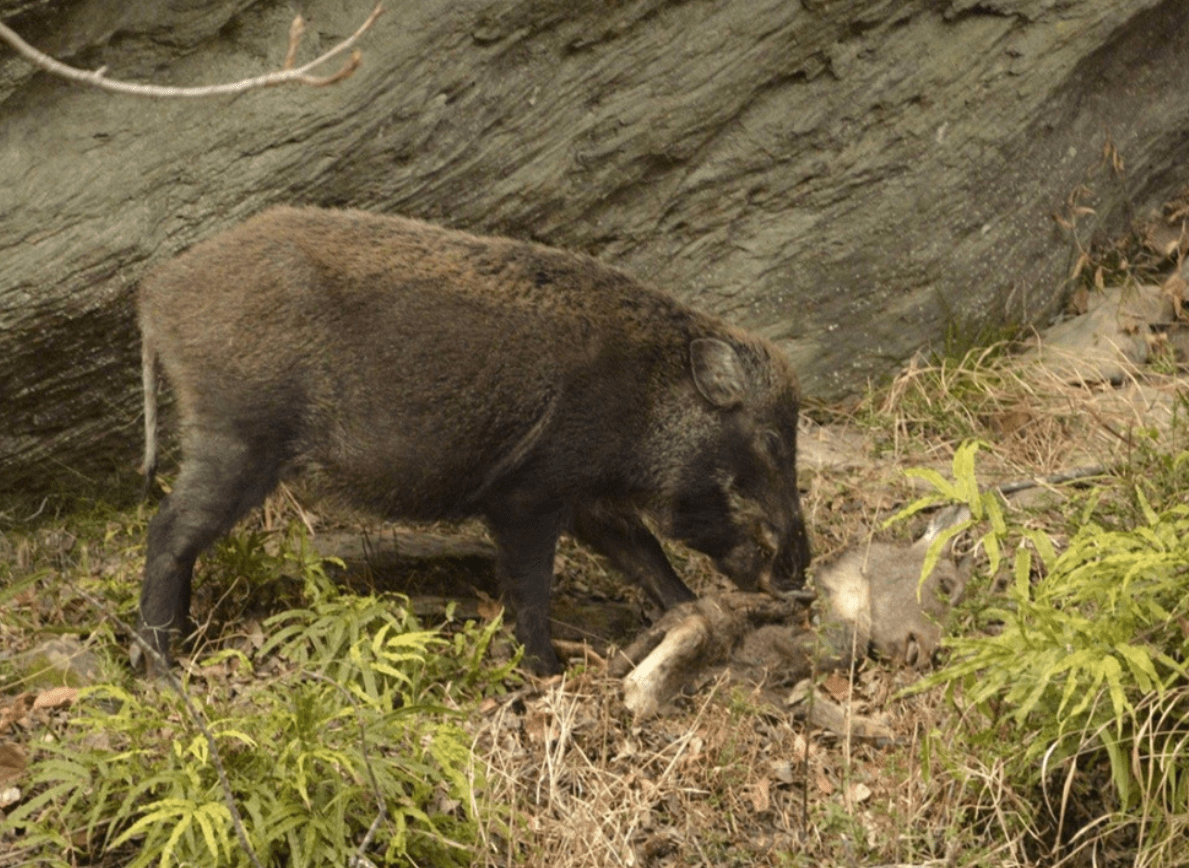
426 373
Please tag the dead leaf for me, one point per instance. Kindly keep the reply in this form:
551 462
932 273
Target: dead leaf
490 609
824 785
16 711
858 793
836 685
760 799
782 770
800 747
98 741
628 749
536 725
447 805
56 697
1176 289
1164 239
254 634
9 796
12 763
837 719
1082 261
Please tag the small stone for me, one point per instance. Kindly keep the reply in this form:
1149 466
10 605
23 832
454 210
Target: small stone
63 661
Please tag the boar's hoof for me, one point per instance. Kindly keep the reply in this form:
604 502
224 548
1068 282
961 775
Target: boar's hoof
541 662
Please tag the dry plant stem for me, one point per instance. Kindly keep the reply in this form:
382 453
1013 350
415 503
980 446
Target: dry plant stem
580 649
805 761
176 686
812 700
684 741
359 859
287 75
288 494
1052 479
556 749
850 711
205 627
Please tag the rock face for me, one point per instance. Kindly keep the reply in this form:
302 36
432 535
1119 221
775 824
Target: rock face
852 178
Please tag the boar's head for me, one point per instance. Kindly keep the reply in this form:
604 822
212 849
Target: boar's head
736 497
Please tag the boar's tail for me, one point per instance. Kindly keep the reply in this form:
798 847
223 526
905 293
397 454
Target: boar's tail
148 362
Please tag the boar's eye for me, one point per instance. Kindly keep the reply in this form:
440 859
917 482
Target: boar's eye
772 445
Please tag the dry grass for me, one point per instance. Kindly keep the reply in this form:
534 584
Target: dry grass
714 783
723 781
1034 421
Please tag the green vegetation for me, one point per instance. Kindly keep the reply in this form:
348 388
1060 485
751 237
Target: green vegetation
1077 688
346 741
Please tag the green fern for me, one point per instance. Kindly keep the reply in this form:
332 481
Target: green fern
1087 662
363 725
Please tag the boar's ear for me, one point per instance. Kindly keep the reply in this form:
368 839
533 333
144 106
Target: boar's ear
718 372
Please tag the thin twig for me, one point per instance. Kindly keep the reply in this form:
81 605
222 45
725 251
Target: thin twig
286 75
359 860
296 29
1052 479
40 509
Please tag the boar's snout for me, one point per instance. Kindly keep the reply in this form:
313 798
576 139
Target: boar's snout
792 559
768 554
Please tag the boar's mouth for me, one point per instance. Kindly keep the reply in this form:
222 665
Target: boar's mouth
739 535
766 564
772 552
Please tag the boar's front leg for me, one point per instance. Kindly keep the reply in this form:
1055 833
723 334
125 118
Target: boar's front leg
631 548
527 541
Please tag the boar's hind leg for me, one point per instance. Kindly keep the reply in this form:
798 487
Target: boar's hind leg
527 542
221 479
632 549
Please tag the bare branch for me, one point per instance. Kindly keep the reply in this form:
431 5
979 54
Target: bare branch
296 29
286 75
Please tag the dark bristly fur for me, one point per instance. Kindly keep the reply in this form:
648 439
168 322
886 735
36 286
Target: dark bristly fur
426 373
